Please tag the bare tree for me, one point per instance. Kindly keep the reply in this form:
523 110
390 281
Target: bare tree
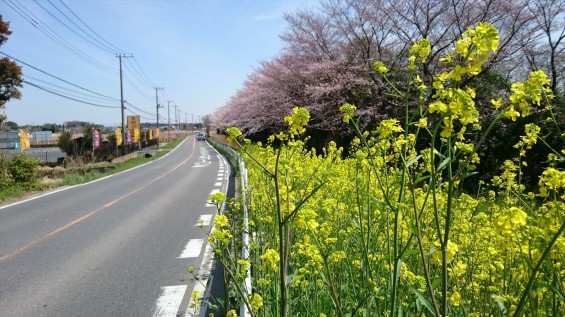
547 50
329 52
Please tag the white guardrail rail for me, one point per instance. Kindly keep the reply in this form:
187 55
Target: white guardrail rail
245 236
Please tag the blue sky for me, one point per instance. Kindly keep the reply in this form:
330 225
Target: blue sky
200 51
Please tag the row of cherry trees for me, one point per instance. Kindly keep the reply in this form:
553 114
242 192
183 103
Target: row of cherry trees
329 51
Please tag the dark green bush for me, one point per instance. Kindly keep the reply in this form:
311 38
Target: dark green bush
24 169
5 178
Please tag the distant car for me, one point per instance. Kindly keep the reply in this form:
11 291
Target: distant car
200 137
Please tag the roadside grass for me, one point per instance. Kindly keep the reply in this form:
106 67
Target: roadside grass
19 190
76 179
16 191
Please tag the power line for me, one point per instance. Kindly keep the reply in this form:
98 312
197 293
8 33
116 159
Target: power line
36 22
101 45
68 27
144 74
145 118
136 74
66 97
132 84
139 73
65 81
166 96
70 92
138 109
88 27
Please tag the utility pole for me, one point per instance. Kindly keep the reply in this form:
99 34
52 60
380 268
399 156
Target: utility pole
185 122
169 118
176 123
179 120
122 102
157 103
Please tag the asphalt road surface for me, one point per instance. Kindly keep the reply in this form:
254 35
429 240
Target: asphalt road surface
119 246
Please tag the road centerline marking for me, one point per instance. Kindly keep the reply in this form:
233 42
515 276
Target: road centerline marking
93 212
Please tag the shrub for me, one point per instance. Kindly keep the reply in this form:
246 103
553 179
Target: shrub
5 178
24 169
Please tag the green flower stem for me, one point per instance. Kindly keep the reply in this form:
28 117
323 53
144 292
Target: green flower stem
545 97
271 174
478 144
333 292
447 229
282 240
421 246
238 287
526 292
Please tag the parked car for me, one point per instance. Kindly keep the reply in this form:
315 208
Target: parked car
200 137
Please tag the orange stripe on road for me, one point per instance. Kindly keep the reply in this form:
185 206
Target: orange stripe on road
88 215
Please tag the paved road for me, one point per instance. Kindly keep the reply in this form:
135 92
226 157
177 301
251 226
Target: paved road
119 246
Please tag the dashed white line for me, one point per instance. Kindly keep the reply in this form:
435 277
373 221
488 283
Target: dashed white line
192 249
204 220
208 203
169 302
217 184
171 297
203 275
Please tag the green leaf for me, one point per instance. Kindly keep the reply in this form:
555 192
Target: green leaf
412 161
551 288
424 301
443 163
469 175
500 305
435 283
421 178
413 229
398 267
411 252
290 275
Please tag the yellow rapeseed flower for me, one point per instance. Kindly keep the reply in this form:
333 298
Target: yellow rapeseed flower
423 123
233 133
455 298
270 259
256 301
348 111
380 67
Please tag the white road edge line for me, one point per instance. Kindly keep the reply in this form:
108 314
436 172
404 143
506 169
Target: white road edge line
204 220
169 302
192 249
94 181
194 309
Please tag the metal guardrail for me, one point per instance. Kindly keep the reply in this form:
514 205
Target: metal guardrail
245 236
